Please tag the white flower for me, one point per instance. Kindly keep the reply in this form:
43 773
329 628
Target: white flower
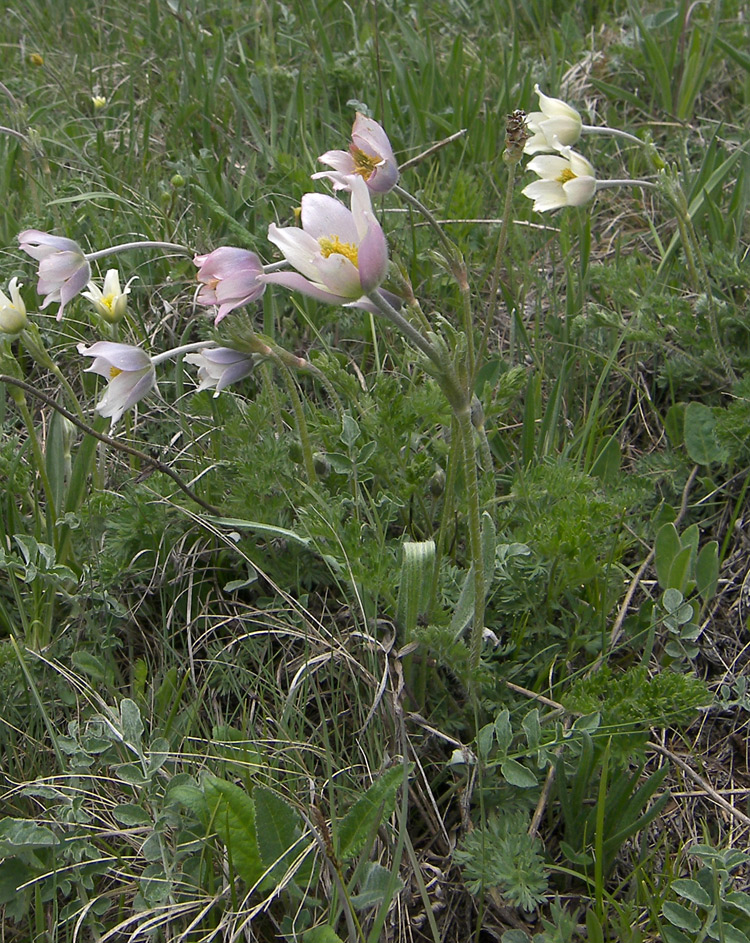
220 366
111 301
340 254
129 371
567 179
64 268
556 120
12 312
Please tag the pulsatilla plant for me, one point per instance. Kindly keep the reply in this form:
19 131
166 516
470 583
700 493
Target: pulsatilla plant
338 255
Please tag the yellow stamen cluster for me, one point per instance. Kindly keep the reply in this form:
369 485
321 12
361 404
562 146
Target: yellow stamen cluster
108 301
330 245
566 175
364 164
114 372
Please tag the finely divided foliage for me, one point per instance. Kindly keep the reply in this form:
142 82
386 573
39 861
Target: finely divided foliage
372 561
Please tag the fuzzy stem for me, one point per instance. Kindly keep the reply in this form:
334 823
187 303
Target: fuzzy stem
125 246
389 312
625 182
184 349
475 532
613 132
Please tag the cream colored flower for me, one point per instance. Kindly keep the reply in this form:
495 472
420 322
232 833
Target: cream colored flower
567 179
557 121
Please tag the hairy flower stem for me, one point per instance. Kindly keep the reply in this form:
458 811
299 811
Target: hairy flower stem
146 244
475 533
502 242
459 398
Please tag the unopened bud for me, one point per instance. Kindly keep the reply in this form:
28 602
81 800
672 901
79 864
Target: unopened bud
516 136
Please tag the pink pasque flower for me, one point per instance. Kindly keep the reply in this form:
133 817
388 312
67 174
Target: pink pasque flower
342 254
370 156
220 366
129 372
229 279
64 270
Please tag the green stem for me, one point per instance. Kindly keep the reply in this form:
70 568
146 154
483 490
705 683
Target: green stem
419 340
475 531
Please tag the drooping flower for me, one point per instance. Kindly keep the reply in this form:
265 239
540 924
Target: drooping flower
64 269
556 120
567 179
220 366
229 278
12 310
129 371
111 301
370 156
341 254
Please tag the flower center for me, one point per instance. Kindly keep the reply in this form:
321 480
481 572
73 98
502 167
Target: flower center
330 245
566 175
364 164
108 301
114 372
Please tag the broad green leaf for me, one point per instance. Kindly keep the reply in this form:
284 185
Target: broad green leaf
131 815
681 917
91 665
378 885
517 774
132 725
321 935
532 728
692 891
707 571
700 435
679 573
368 812
485 737
594 931
673 935
24 833
739 899
674 424
503 731
155 885
734 935
607 463
417 565
278 828
233 817
666 547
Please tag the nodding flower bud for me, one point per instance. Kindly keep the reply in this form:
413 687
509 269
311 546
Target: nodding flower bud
516 136
12 310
